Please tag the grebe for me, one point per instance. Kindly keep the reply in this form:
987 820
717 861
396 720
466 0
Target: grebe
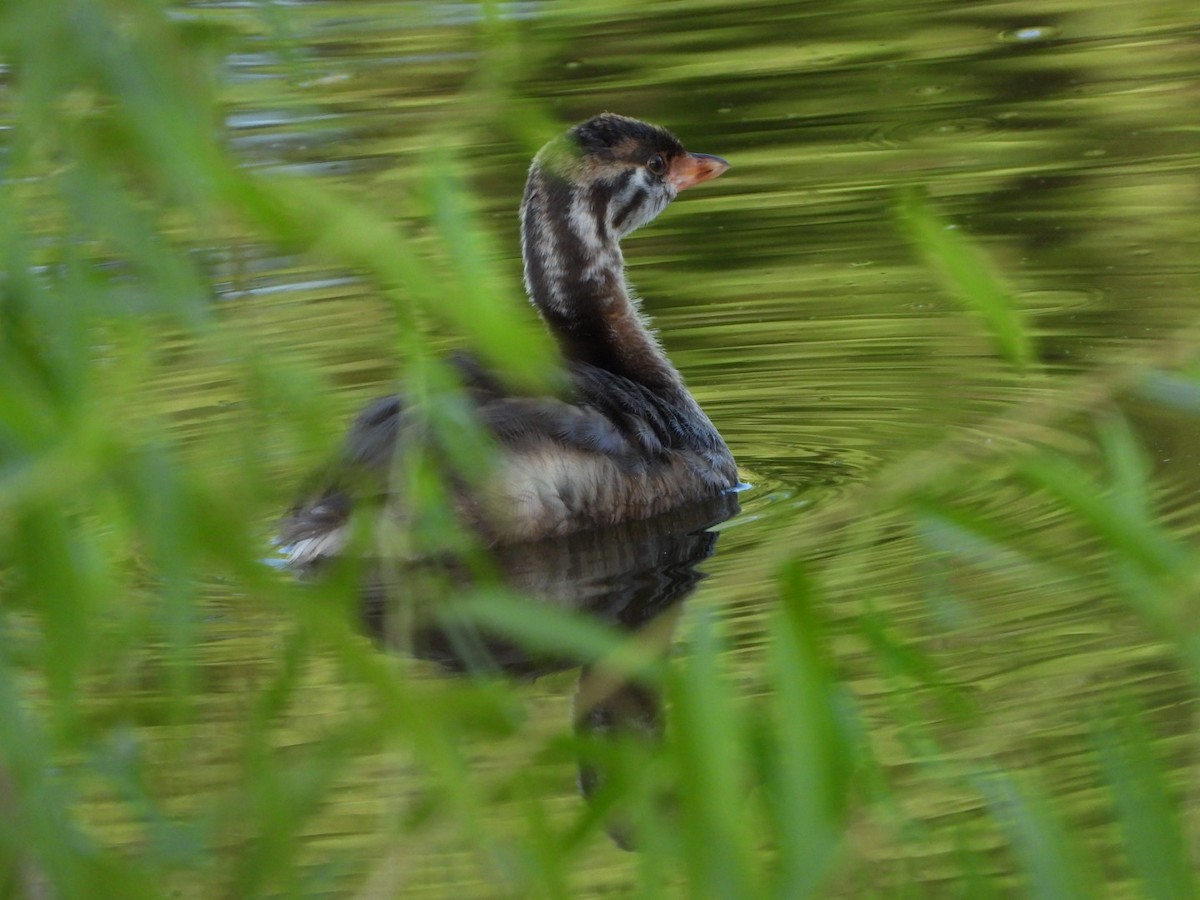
628 441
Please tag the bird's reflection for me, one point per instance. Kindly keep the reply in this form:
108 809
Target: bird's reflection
632 577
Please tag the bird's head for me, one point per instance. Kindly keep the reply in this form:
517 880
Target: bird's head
620 172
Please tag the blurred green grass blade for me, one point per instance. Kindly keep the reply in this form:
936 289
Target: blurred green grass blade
973 876
403 711
314 217
489 308
541 628
1129 470
165 113
980 541
170 843
161 504
809 755
906 663
53 579
547 864
967 274
41 363
40 839
301 213
36 833
1148 817
1154 572
1046 854
164 280
1133 538
708 739
277 800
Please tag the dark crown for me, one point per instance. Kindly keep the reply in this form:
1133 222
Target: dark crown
609 137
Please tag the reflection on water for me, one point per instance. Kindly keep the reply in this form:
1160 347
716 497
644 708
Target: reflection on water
631 577
624 576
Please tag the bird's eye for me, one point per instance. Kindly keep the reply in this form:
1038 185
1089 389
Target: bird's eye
657 165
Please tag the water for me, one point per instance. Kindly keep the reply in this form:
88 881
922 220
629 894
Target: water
1062 138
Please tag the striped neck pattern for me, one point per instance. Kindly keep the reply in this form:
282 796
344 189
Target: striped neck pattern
575 272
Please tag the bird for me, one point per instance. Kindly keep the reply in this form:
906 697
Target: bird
625 440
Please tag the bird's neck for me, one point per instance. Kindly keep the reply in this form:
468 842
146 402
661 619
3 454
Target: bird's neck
575 276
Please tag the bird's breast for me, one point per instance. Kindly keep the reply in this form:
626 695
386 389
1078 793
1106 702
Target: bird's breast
547 491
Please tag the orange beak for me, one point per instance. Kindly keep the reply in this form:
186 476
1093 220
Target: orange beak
694 168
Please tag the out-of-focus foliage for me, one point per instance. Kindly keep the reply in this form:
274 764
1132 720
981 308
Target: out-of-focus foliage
120 206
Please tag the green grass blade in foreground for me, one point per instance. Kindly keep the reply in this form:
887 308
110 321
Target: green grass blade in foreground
41 844
709 745
807 754
1146 813
318 219
427 717
541 628
1044 851
967 275
1134 538
1155 572
962 537
1129 471
490 309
